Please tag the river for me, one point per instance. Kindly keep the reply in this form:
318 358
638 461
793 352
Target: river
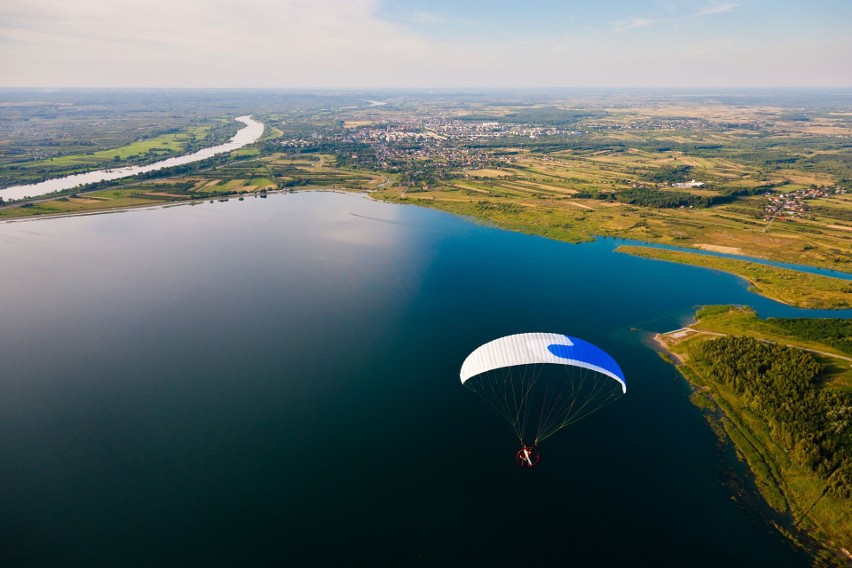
250 133
276 381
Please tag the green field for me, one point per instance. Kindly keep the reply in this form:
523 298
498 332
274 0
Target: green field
164 146
246 176
549 196
614 180
70 158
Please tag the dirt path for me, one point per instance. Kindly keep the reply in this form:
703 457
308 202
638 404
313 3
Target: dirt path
581 205
679 335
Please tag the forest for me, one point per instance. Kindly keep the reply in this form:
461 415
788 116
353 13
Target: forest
782 385
831 331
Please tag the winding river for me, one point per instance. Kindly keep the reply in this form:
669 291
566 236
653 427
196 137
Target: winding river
249 134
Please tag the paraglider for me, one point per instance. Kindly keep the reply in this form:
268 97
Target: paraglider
542 382
527 456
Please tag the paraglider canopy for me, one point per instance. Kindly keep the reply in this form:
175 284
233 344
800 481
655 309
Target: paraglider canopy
530 348
542 382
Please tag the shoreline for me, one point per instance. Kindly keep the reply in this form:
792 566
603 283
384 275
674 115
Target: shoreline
789 286
153 206
736 429
661 342
840 305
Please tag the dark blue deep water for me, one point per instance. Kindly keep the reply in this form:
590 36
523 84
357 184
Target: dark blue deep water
275 382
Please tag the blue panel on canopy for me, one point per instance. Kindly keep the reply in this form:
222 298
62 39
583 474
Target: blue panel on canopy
587 353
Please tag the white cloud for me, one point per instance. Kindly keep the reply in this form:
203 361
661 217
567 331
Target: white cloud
709 10
348 43
716 9
632 23
216 43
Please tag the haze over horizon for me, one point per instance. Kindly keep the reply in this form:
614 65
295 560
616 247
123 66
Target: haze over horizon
367 44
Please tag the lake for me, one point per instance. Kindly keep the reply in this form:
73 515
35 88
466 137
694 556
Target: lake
250 133
276 381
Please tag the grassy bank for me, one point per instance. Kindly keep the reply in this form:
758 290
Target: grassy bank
234 177
800 289
804 498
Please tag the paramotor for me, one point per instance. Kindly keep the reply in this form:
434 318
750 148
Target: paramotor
542 382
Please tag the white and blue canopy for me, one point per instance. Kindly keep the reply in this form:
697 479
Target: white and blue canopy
532 348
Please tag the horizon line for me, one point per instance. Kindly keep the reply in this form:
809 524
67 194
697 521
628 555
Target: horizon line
458 88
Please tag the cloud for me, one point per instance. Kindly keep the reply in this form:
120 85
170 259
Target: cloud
199 43
355 44
709 10
716 9
632 23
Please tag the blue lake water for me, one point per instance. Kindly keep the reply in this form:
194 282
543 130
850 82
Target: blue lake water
275 381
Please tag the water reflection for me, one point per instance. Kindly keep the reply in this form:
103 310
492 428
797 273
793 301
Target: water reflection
274 375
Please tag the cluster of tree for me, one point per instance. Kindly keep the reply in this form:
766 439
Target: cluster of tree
268 147
780 384
343 151
647 197
670 174
832 212
831 331
84 187
661 199
836 164
510 208
794 117
541 146
587 146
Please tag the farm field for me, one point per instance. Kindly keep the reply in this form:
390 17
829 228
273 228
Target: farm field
747 179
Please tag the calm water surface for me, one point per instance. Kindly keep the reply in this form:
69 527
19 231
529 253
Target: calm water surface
276 381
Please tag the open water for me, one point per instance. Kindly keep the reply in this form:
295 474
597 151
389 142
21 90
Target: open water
275 382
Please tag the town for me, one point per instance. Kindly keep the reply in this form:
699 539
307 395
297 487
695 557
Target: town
425 149
791 205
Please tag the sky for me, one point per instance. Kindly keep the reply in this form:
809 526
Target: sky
364 44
